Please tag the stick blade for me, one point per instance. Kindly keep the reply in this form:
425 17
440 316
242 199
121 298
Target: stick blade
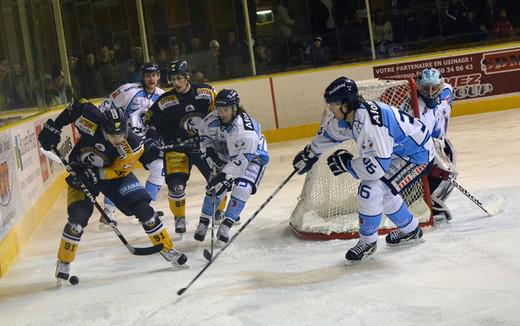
207 254
146 250
497 206
181 291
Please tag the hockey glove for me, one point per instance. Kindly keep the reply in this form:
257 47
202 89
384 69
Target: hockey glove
304 160
213 160
220 184
339 161
49 136
152 148
85 175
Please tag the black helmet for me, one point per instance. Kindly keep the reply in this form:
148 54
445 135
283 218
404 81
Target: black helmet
227 97
178 67
114 122
149 67
342 90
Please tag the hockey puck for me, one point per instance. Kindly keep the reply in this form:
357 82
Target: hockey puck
74 280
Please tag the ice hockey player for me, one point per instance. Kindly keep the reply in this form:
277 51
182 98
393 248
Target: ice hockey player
395 150
174 118
102 160
136 99
231 140
435 100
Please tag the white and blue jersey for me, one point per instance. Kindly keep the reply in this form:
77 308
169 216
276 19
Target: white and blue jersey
382 133
437 118
238 144
135 101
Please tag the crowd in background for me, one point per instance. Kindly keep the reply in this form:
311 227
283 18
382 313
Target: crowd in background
334 31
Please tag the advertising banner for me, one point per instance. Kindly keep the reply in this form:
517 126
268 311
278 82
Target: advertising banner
472 75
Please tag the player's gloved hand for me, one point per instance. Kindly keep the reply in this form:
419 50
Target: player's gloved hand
82 174
152 147
304 160
212 159
437 172
219 184
50 135
339 161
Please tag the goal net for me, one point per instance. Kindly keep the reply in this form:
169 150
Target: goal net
327 206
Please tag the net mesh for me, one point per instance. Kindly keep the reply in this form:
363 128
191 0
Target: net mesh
328 203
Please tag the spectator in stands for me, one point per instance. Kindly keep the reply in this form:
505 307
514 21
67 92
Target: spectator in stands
195 57
175 52
137 56
473 30
454 17
162 61
132 73
109 74
21 93
230 54
262 58
75 76
296 51
5 85
503 28
283 23
318 16
383 33
93 79
319 54
210 67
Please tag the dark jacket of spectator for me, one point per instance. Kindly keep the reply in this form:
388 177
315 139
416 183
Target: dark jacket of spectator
319 53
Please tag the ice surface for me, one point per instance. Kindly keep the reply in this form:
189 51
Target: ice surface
465 273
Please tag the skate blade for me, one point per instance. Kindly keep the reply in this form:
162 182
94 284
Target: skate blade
407 243
356 262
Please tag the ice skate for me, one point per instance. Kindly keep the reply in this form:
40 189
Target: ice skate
398 238
361 251
202 229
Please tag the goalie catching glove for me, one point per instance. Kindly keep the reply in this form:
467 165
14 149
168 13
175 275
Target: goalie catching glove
304 160
338 162
220 184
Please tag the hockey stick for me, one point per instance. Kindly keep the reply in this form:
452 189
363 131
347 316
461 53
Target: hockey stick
181 291
133 250
209 255
491 210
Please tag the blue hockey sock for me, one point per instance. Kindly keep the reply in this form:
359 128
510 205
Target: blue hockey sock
368 226
402 217
152 189
234 208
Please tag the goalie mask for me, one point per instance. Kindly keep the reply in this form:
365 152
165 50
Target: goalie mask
430 83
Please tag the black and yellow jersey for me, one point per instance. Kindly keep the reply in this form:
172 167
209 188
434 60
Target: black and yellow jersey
176 116
93 150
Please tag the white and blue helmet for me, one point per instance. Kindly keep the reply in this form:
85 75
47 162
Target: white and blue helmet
430 83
